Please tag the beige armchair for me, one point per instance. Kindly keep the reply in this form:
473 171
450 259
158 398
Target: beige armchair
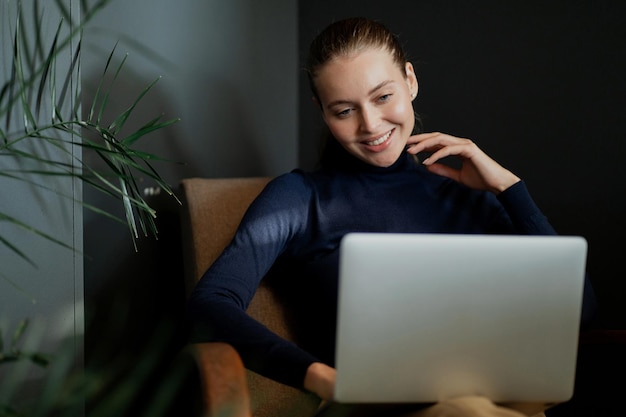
212 211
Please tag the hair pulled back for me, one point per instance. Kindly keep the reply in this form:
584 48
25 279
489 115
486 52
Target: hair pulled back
348 37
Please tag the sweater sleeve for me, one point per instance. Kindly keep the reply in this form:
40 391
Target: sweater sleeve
526 217
217 306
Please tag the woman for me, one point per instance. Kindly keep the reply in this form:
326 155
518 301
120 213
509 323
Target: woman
369 181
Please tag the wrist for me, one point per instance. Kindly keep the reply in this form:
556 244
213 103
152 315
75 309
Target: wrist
506 183
320 379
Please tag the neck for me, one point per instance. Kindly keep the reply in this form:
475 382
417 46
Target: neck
336 157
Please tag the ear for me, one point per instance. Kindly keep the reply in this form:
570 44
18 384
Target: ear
411 80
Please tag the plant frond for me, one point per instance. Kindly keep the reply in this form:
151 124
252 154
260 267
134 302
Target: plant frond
29 119
119 122
65 13
149 127
68 78
11 83
46 70
32 86
19 290
77 90
100 83
15 249
107 94
84 178
12 220
39 42
24 44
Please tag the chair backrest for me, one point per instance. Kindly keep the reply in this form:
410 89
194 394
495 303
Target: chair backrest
213 209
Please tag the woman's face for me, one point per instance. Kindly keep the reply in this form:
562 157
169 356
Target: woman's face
366 103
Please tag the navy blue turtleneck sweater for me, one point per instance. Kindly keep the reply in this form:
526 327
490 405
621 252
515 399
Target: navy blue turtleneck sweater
290 235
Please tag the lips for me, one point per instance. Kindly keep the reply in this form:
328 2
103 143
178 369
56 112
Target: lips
380 140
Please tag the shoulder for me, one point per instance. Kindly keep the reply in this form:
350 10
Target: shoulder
289 190
291 185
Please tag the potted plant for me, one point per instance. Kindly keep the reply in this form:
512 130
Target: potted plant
48 132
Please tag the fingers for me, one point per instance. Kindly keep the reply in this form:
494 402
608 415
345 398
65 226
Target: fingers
440 145
450 150
444 171
433 141
419 143
477 170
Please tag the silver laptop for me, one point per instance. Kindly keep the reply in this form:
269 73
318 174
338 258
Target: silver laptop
427 317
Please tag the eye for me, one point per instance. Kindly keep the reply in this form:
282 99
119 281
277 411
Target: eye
343 113
384 98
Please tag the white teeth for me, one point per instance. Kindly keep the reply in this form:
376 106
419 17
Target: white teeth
380 140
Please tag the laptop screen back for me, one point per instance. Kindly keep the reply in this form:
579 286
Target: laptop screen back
426 317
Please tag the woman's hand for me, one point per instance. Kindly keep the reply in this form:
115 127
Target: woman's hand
477 170
320 379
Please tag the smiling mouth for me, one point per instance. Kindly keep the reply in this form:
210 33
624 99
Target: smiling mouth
380 140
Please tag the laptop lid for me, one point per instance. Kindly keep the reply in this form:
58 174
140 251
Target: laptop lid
426 317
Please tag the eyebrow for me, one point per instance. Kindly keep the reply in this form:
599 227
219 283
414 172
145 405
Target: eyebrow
372 91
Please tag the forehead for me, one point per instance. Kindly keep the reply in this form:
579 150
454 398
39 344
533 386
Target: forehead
355 74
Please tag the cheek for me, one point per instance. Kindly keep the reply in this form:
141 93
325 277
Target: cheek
342 131
402 114
402 111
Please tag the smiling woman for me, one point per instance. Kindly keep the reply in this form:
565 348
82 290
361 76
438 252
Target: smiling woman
369 181
366 103
364 85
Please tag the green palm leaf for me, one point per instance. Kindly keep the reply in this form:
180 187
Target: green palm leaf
32 86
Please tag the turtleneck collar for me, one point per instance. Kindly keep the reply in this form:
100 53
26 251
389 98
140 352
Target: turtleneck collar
337 158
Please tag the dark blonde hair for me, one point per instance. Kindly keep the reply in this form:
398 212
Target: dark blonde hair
350 36
345 38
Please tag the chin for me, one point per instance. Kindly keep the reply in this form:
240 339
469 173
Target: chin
382 163
386 160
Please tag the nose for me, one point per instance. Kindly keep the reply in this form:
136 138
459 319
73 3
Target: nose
370 118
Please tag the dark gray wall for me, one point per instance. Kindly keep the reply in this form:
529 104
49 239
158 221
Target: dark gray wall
539 85
230 74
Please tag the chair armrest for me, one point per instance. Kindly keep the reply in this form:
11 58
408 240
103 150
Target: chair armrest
223 379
